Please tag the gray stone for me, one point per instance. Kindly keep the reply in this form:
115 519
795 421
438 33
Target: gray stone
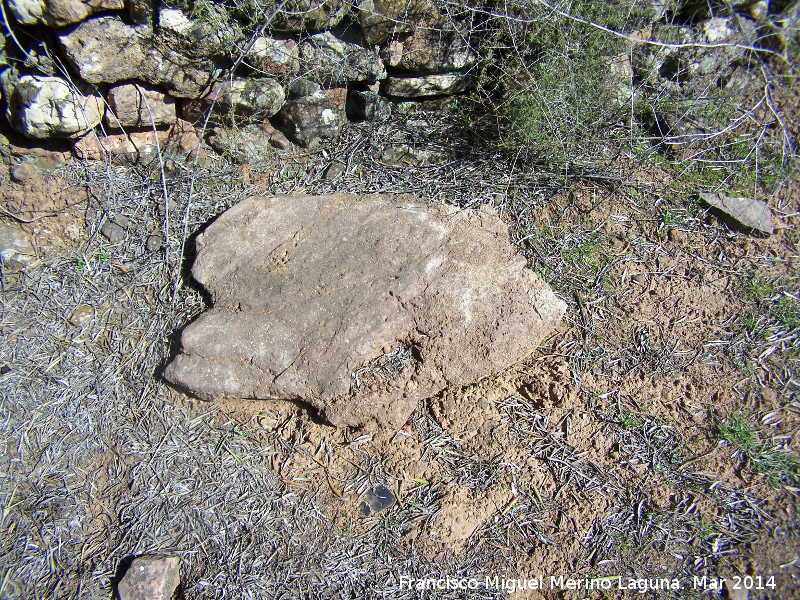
334 171
382 20
154 243
150 578
138 106
332 61
369 106
307 292
430 51
112 231
16 249
274 57
256 98
376 500
428 85
303 87
308 15
42 107
308 119
403 154
249 144
748 212
55 13
184 57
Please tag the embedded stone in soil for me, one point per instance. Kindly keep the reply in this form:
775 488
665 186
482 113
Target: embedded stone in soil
359 306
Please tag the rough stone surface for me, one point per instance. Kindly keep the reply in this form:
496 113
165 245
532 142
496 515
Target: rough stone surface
138 106
55 13
748 212
150 578
42 107
369 106
137 145
335 62
184 58
309 292
310 118
22 172
274 57
309 15
258 98
430 51
382 20
15 247
429 85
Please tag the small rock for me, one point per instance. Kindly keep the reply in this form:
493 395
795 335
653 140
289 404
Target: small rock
137 106
55 13
377 499
16 249
154 243
257 98
150 578
81 316
677 236
335 62
303 87
639 278
42 107
22 172
274 57
279 140
334 171
113 232
311 118
749 212
736 593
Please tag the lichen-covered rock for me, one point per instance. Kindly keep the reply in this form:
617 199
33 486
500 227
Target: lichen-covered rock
274 57
308 119
43 107
430 51
335 62
255 98
382 20
56 13
427 85
138 106
183 58
360 306
750 213
309 15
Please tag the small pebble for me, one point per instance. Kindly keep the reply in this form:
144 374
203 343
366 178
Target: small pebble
154 243
334 171
22 172
377 499
280 141
113 232
81 316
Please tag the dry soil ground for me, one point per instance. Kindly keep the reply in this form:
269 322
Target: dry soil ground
654 434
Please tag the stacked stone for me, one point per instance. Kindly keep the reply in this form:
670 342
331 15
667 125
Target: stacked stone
146 76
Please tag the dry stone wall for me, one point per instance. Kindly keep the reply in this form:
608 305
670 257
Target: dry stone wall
121 67
129 67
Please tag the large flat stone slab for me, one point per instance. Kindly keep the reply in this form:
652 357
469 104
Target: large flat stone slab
360 306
